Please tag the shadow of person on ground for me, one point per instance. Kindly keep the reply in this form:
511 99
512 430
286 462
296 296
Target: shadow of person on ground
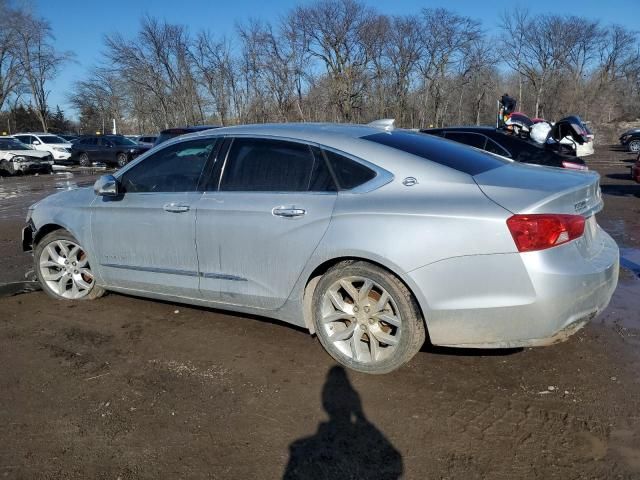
348 446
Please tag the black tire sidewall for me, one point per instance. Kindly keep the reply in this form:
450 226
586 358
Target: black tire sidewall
412 331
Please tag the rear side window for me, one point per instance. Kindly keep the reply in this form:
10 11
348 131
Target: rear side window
439 151
349 173
264 165
471 139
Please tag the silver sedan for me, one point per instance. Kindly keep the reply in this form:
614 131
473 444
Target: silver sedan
368 236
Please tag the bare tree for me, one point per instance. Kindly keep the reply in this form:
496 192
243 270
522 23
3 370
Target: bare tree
39 61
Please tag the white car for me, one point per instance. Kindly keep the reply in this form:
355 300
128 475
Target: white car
47 142
17 158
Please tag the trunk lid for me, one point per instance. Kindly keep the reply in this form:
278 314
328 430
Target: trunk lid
534 189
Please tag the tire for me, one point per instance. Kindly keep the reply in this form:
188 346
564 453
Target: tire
49 263
122 159
372 320
634 146
83 160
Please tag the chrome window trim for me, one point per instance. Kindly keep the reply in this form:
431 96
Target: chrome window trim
382 176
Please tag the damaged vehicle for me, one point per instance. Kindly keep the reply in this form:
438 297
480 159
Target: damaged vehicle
574 135
368 236
16 158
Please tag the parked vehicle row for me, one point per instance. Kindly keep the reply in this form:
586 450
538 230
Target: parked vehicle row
368 236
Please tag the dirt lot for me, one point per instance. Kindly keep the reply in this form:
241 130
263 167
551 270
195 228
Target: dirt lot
130 388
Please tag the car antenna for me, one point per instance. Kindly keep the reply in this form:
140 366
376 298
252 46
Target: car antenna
386 124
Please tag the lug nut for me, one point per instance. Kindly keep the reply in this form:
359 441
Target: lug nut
371 321
366 309
355 308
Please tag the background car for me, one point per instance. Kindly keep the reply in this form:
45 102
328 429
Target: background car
631 140
69 137
59 148
574 133
366 236
509 145
176 132
147 140
109 149
18 158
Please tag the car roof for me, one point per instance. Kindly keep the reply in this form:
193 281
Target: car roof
193 128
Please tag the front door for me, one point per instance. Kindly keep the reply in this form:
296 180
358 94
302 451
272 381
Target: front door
144 240
258 225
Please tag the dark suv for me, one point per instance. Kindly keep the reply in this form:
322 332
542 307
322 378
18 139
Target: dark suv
109 149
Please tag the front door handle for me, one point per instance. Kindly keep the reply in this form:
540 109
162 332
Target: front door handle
176 207
288 212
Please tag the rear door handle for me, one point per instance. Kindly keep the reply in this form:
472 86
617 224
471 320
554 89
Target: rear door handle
288 212
176 207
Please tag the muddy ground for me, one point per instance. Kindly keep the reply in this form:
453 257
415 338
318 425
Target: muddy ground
130 388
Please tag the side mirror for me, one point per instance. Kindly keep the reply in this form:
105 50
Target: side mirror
106 186
35 142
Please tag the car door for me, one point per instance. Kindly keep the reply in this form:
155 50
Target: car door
89 146
261 219
144 239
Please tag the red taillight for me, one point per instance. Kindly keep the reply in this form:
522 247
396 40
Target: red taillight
574 166
540 231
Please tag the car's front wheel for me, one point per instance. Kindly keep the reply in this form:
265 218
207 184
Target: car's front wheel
63 269
366 318
634 146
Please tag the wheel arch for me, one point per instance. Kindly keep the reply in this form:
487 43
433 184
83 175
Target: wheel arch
45 230
314 277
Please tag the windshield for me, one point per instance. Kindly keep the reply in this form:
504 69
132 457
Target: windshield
52 139
123 141
11 144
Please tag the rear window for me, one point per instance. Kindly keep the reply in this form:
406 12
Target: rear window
449 154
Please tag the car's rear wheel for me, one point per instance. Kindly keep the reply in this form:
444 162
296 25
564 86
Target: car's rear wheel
83 160
634 146
366 318
62 267
122 160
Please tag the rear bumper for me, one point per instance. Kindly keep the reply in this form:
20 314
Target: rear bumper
517 300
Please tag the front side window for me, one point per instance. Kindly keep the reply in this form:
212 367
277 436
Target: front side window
265 165
26 139
176 168
52 139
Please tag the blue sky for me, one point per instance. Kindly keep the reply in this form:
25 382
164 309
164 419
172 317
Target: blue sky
80 25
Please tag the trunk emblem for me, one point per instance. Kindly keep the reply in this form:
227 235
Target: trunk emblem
581 205
410 182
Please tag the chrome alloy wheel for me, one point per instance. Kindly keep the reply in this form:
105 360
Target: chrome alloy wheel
64 266
361 319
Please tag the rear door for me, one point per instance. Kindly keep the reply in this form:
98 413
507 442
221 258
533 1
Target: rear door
268 205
